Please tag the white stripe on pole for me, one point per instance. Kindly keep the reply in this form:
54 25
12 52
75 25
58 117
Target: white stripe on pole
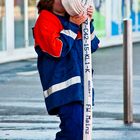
87 126
87 132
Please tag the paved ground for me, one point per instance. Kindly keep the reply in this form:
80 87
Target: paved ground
22 109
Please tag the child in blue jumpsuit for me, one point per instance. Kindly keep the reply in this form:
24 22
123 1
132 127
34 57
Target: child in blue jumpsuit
58 43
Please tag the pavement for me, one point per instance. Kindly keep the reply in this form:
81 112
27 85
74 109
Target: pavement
22 110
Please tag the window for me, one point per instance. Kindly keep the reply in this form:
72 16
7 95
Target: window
19 23
32 12
135 14
100 17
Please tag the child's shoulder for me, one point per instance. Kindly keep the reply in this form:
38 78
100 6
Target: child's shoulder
49 19
48 16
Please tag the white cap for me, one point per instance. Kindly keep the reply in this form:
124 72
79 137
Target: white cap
74 7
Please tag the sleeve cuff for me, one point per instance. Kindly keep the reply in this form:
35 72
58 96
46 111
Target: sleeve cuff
91 26
96 40
75 28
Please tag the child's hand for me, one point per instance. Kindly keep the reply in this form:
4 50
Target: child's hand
78 19
90 11
99 45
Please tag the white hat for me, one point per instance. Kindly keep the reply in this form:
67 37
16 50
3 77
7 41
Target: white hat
74 7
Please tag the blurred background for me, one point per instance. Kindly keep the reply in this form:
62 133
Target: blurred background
17 17
22 109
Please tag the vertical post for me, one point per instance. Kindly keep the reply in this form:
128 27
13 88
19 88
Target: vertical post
108 4
3 34
36 8
119 9
0 10
9 22
87 71
128 72
26 23
87 131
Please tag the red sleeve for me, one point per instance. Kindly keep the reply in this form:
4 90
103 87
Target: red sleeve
47 32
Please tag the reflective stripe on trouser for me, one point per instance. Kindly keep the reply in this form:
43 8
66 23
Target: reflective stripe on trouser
71 126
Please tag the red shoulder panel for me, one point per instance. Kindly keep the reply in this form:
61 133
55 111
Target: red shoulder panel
47 32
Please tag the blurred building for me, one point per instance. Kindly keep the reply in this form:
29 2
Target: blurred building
109 17
17 17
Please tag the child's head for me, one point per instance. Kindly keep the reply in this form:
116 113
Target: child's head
54 6
58 7
45 5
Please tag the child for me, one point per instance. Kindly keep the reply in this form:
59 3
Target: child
58 43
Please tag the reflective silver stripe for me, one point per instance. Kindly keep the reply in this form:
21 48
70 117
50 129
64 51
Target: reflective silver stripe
69 33
92 36
62 85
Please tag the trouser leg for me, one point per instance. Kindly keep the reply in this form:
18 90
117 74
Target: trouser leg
71 126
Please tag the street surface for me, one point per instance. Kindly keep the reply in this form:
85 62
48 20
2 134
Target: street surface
22 110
